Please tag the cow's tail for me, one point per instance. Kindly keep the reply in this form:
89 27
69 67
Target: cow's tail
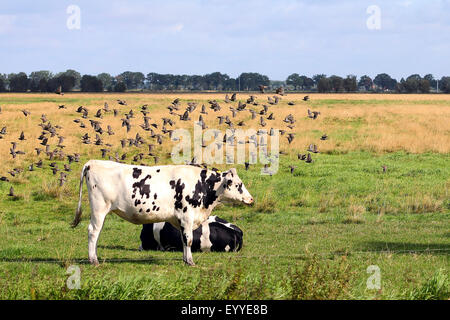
79 211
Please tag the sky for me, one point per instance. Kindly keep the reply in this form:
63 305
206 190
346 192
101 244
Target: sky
275 38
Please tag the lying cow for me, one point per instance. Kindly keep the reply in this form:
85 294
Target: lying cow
215 234
183 195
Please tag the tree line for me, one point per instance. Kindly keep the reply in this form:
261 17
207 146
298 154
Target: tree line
71 80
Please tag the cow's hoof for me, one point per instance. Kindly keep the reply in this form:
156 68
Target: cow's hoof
94 262
189 263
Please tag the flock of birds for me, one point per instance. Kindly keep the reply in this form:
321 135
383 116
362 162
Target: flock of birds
51 141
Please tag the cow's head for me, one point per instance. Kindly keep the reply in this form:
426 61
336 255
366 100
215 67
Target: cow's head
234 188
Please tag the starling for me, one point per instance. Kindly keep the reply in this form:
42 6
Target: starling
62 179
11 192
290 137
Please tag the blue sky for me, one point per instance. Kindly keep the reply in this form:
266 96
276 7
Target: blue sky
275 38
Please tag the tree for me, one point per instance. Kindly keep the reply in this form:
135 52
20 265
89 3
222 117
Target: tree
307 83
366 82
431 80
198 82
2 85
252 81
107 80
444 84
215 80
337 83
133 80
414 83
90 83
385 82
316 78
424 86
66 81
230 84
294 80
76 75
120 87
18 82
38 80
43 85
349 83
324 85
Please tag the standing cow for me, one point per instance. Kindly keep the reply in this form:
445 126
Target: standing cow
214 234
183 195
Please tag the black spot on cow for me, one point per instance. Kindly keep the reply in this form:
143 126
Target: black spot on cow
157 209
239 187
155 196
154 207
148 243
169 237
178 193
158 170
140 210
148 210
221 237
144 189
183 235
137 202
204 192
136 173
153 203
184 209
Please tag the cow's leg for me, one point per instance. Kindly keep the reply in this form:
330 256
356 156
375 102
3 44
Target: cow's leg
187 238
98 216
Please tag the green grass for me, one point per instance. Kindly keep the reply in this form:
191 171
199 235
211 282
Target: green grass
311 235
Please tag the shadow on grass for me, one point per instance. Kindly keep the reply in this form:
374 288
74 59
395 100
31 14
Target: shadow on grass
117 247
405 247
149 260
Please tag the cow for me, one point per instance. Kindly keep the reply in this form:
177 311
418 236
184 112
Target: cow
183 195
215 234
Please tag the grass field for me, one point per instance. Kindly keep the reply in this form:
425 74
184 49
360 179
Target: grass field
310 235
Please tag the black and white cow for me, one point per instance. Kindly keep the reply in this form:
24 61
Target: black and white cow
215 234
183 195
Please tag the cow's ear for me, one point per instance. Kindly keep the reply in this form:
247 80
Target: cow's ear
227 174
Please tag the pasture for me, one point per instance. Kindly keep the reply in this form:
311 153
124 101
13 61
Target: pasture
311 234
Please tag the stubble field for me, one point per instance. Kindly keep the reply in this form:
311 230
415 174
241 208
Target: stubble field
312 234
